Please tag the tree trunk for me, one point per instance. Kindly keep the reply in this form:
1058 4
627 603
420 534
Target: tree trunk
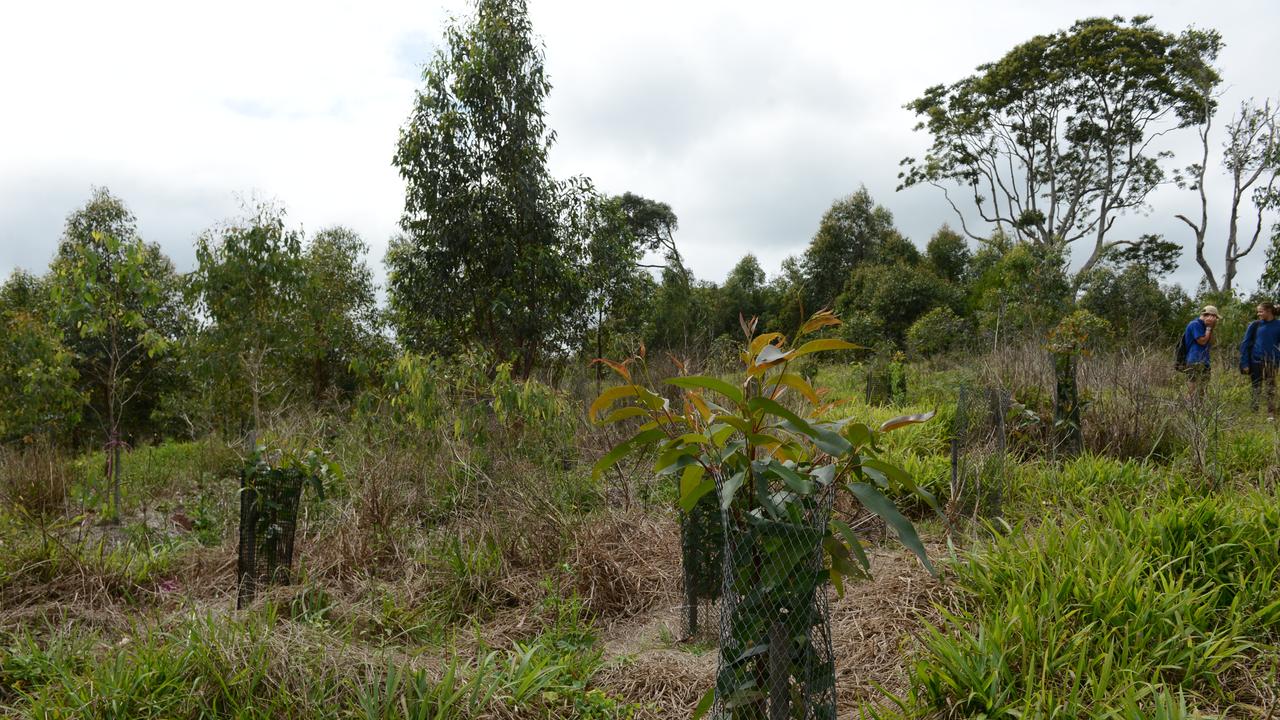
115 473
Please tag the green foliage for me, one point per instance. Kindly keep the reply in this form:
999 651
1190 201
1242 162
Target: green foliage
937 332
743 294
337 318
897 294
492 243
1080 333
771 467
1052 140
1024 292
1269 283
853 231
248 279
118 303
472 396
619 291
117 298
1133 302
949 255
38 393
1099 615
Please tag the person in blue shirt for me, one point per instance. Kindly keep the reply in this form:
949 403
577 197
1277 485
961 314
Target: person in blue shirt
1260 355
1198 338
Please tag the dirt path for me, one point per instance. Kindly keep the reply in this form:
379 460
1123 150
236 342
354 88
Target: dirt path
873 631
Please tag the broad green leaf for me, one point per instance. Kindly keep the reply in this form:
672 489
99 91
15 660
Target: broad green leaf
873 500
704 705
841 564
824 474
765 495
737 423
609 397
676 463
798 484
859 435
824 345
708 383
828 441
721 432
625 448
730 488
694 484
903 478
851 539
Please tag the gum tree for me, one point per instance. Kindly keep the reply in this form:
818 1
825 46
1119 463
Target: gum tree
492 245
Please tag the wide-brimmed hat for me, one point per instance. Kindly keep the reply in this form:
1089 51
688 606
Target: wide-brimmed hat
1210 310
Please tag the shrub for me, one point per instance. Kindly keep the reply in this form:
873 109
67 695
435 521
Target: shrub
936 332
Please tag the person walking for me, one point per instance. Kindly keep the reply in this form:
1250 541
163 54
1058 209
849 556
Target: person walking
1260 355
1198 339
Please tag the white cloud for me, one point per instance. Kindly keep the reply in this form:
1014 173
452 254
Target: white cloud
748 118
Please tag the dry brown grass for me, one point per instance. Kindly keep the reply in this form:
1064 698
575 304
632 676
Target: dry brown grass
874 626
624 564
34 479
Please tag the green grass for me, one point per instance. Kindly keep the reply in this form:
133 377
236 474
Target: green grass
262 665
1096 615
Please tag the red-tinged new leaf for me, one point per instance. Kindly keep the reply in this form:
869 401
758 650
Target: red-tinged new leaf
798 384
820 319
904 420
618 367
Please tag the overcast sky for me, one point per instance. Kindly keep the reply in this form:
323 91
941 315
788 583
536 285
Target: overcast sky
749 119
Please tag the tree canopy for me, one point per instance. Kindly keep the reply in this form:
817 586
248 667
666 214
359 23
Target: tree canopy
1052 143
492 244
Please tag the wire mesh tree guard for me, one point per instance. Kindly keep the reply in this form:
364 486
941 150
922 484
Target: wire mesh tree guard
702 561
776 661
269 497
762 448
978 450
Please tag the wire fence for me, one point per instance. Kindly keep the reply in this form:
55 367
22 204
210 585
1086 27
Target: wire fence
268 519
979 444
702 564
776 660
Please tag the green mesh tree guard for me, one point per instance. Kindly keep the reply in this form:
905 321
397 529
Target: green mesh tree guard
702 562
978 451
268 517
1069 437
775 637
